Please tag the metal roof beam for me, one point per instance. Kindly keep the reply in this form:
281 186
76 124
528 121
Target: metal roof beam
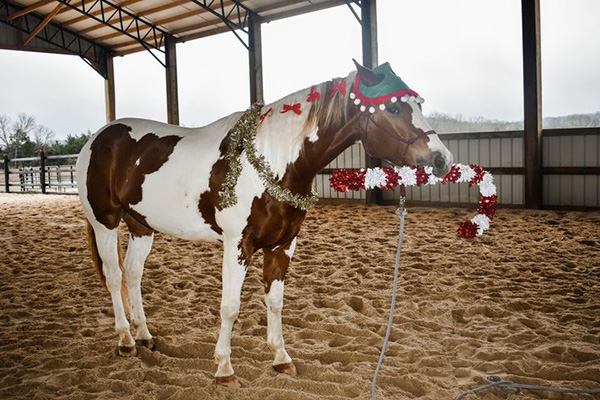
235 19
62 39
112 16
178 17
95 13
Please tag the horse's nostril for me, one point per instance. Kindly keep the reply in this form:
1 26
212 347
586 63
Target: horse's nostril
439 161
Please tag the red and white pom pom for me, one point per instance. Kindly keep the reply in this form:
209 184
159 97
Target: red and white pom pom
387 178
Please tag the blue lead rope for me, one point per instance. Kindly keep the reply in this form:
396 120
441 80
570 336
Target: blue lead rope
401 213
515 388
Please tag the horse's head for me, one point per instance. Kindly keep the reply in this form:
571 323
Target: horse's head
395 129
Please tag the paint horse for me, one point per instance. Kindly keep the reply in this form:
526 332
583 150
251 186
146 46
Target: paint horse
164 178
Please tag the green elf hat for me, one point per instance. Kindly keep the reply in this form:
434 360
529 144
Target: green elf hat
388 86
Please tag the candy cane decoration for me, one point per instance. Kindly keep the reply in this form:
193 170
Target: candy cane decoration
387 178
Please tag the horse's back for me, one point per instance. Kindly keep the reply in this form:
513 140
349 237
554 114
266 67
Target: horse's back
152 170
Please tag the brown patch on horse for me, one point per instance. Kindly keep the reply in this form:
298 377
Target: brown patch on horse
136 223
275 265
144 157
209 200
117 169
272 225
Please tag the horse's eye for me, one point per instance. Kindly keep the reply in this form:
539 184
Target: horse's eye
393 110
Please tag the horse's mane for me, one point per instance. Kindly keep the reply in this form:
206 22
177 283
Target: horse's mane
281 136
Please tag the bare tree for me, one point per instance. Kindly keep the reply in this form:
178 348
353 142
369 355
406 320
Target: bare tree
5 131
24 124
16 137
42 136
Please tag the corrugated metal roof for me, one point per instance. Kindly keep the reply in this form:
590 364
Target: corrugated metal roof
183 19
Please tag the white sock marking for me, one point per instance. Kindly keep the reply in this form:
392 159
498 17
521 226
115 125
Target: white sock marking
274 302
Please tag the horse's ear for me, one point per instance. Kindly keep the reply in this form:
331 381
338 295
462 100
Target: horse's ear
367 76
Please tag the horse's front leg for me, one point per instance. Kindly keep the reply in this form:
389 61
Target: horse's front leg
234 272
276 262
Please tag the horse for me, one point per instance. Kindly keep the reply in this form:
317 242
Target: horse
171 179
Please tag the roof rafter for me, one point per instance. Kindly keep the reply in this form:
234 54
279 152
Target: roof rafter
187 33
44 22
152 11
215 8
111 15
98 12
167 20
62 39
235 19
29 9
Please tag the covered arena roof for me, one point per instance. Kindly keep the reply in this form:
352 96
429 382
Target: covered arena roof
130 26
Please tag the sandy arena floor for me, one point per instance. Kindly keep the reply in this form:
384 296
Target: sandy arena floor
523 302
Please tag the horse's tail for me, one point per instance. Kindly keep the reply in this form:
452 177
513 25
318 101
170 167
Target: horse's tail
97 261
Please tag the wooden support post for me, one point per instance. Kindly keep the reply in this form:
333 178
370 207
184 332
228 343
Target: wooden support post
43 171
6 174
368 12
255 60
109 90
532 88
171 75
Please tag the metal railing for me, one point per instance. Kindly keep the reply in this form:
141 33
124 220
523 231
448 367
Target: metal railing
40 173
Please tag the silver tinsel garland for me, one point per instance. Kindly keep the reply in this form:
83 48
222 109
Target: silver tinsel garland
241 138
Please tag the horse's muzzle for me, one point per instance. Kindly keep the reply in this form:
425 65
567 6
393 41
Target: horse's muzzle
440 164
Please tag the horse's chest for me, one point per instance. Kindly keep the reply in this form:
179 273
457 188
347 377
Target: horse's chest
272 224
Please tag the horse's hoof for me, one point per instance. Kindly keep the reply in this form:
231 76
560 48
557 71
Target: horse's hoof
286 368
147 343
126 351
228 381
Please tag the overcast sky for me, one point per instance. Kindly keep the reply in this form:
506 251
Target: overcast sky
463 56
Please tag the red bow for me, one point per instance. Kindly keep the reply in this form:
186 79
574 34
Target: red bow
295 108
313 96
262 117
339 87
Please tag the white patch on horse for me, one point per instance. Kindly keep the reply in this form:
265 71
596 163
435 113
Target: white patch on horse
137 162
170 196
290 251
274 302
281 136
232 281
313 136
434 143
418 119
106 241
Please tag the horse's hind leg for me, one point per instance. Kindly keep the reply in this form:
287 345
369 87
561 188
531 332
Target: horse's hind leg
137 251
107 244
